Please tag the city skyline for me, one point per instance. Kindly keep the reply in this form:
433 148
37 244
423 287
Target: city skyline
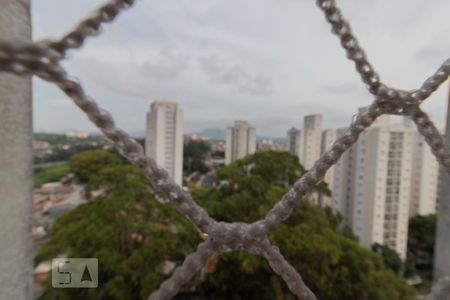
217 63
141 133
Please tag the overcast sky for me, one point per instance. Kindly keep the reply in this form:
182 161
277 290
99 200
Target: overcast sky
270 62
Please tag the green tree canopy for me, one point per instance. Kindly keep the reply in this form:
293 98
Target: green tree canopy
248 188
89 163
130 233
332 265
421 241
133 235
194 155
390 257
49 174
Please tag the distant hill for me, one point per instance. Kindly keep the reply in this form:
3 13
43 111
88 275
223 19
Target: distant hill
138 134
276 140
210 133
213 133
220 134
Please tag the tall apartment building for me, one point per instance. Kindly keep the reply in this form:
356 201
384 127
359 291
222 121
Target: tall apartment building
442 252
328 138
312 139
306 143
425 179
295 142
164 137
342 200
375 182
240 141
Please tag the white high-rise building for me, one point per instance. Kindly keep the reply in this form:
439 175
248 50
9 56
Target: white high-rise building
424 187
240 141
442 253
164 137
328 138
295 141
312 140
343 187
375 182
306 143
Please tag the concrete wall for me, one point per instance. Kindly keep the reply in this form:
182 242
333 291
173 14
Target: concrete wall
251 141
328 138
15 163
425 175
229 146
442 252
178 155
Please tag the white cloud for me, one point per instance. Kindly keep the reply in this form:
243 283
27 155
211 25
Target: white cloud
271 62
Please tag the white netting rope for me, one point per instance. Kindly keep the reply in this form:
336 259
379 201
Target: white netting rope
441 290
43 59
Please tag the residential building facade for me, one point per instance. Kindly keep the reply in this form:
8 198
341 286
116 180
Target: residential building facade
295 144
328 138
306 143
312 140
425 179
442 253
373 183
164 137
240 141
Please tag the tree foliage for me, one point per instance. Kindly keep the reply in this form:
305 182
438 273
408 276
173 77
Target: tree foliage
391 259
132 235
89 163
49 174
332 265
194 155
63 147
421 241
